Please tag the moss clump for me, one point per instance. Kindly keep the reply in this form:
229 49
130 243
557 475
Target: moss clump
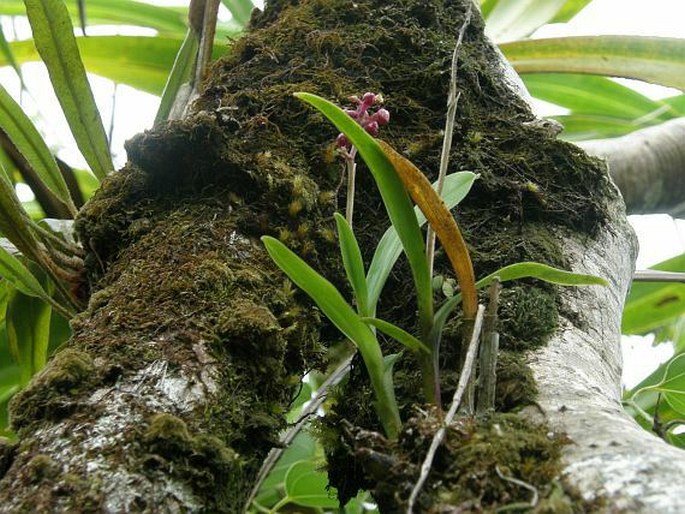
41 467
53 393
467 468
202 460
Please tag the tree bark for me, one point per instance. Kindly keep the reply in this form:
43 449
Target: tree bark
176 381
647 167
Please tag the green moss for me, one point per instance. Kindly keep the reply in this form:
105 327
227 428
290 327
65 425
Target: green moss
41 467
53 393
202 460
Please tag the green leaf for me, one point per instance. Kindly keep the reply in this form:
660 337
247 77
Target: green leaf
166 20
591 94
12 270
303 447
180 74
21 131
28 333
139 61
569 10
339 312
514 272
398 334
651 59
510 20
306 486
456 187
395 198
672 386
240 10
580 127
14 222
353 263
6 52
677 103
651 305
54 38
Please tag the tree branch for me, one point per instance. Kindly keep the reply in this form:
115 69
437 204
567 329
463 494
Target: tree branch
647 166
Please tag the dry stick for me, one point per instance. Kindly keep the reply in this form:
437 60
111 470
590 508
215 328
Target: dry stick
487 376
650 275
521 483
456 400
317 400
452 100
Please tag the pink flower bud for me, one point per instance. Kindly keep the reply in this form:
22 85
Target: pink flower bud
371 127
382 116
342 141
352 113
369 98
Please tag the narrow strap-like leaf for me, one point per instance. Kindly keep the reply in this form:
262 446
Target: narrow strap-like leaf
353 263
12 270
514 272
53 35
398 334
442 221
653 59
240 10
8 54
15 224
456 187
180 74
21 131
395 199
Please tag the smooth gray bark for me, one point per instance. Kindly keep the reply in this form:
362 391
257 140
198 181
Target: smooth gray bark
647 166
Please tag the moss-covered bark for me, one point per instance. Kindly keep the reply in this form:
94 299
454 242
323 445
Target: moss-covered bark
197 339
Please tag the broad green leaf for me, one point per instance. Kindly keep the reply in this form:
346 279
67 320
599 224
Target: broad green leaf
180 74
353 263
514 272
166 20
305 485
28 333
569 10
339 312
28 141
398 334
304 447
456 187
12 270
672 386
240 10
53 35
395 198
138 61
510 20
651 59
591 94
651 305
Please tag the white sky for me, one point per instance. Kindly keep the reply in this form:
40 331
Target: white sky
660 236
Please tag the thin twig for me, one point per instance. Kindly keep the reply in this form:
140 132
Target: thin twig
456 401
487 376
317 400
351 166
452 100
651 275
521 483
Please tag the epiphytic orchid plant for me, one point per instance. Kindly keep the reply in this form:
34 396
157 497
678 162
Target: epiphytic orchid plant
399 182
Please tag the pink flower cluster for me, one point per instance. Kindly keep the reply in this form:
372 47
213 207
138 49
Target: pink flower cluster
369 122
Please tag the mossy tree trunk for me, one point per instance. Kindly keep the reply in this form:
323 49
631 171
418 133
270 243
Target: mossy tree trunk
179 373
